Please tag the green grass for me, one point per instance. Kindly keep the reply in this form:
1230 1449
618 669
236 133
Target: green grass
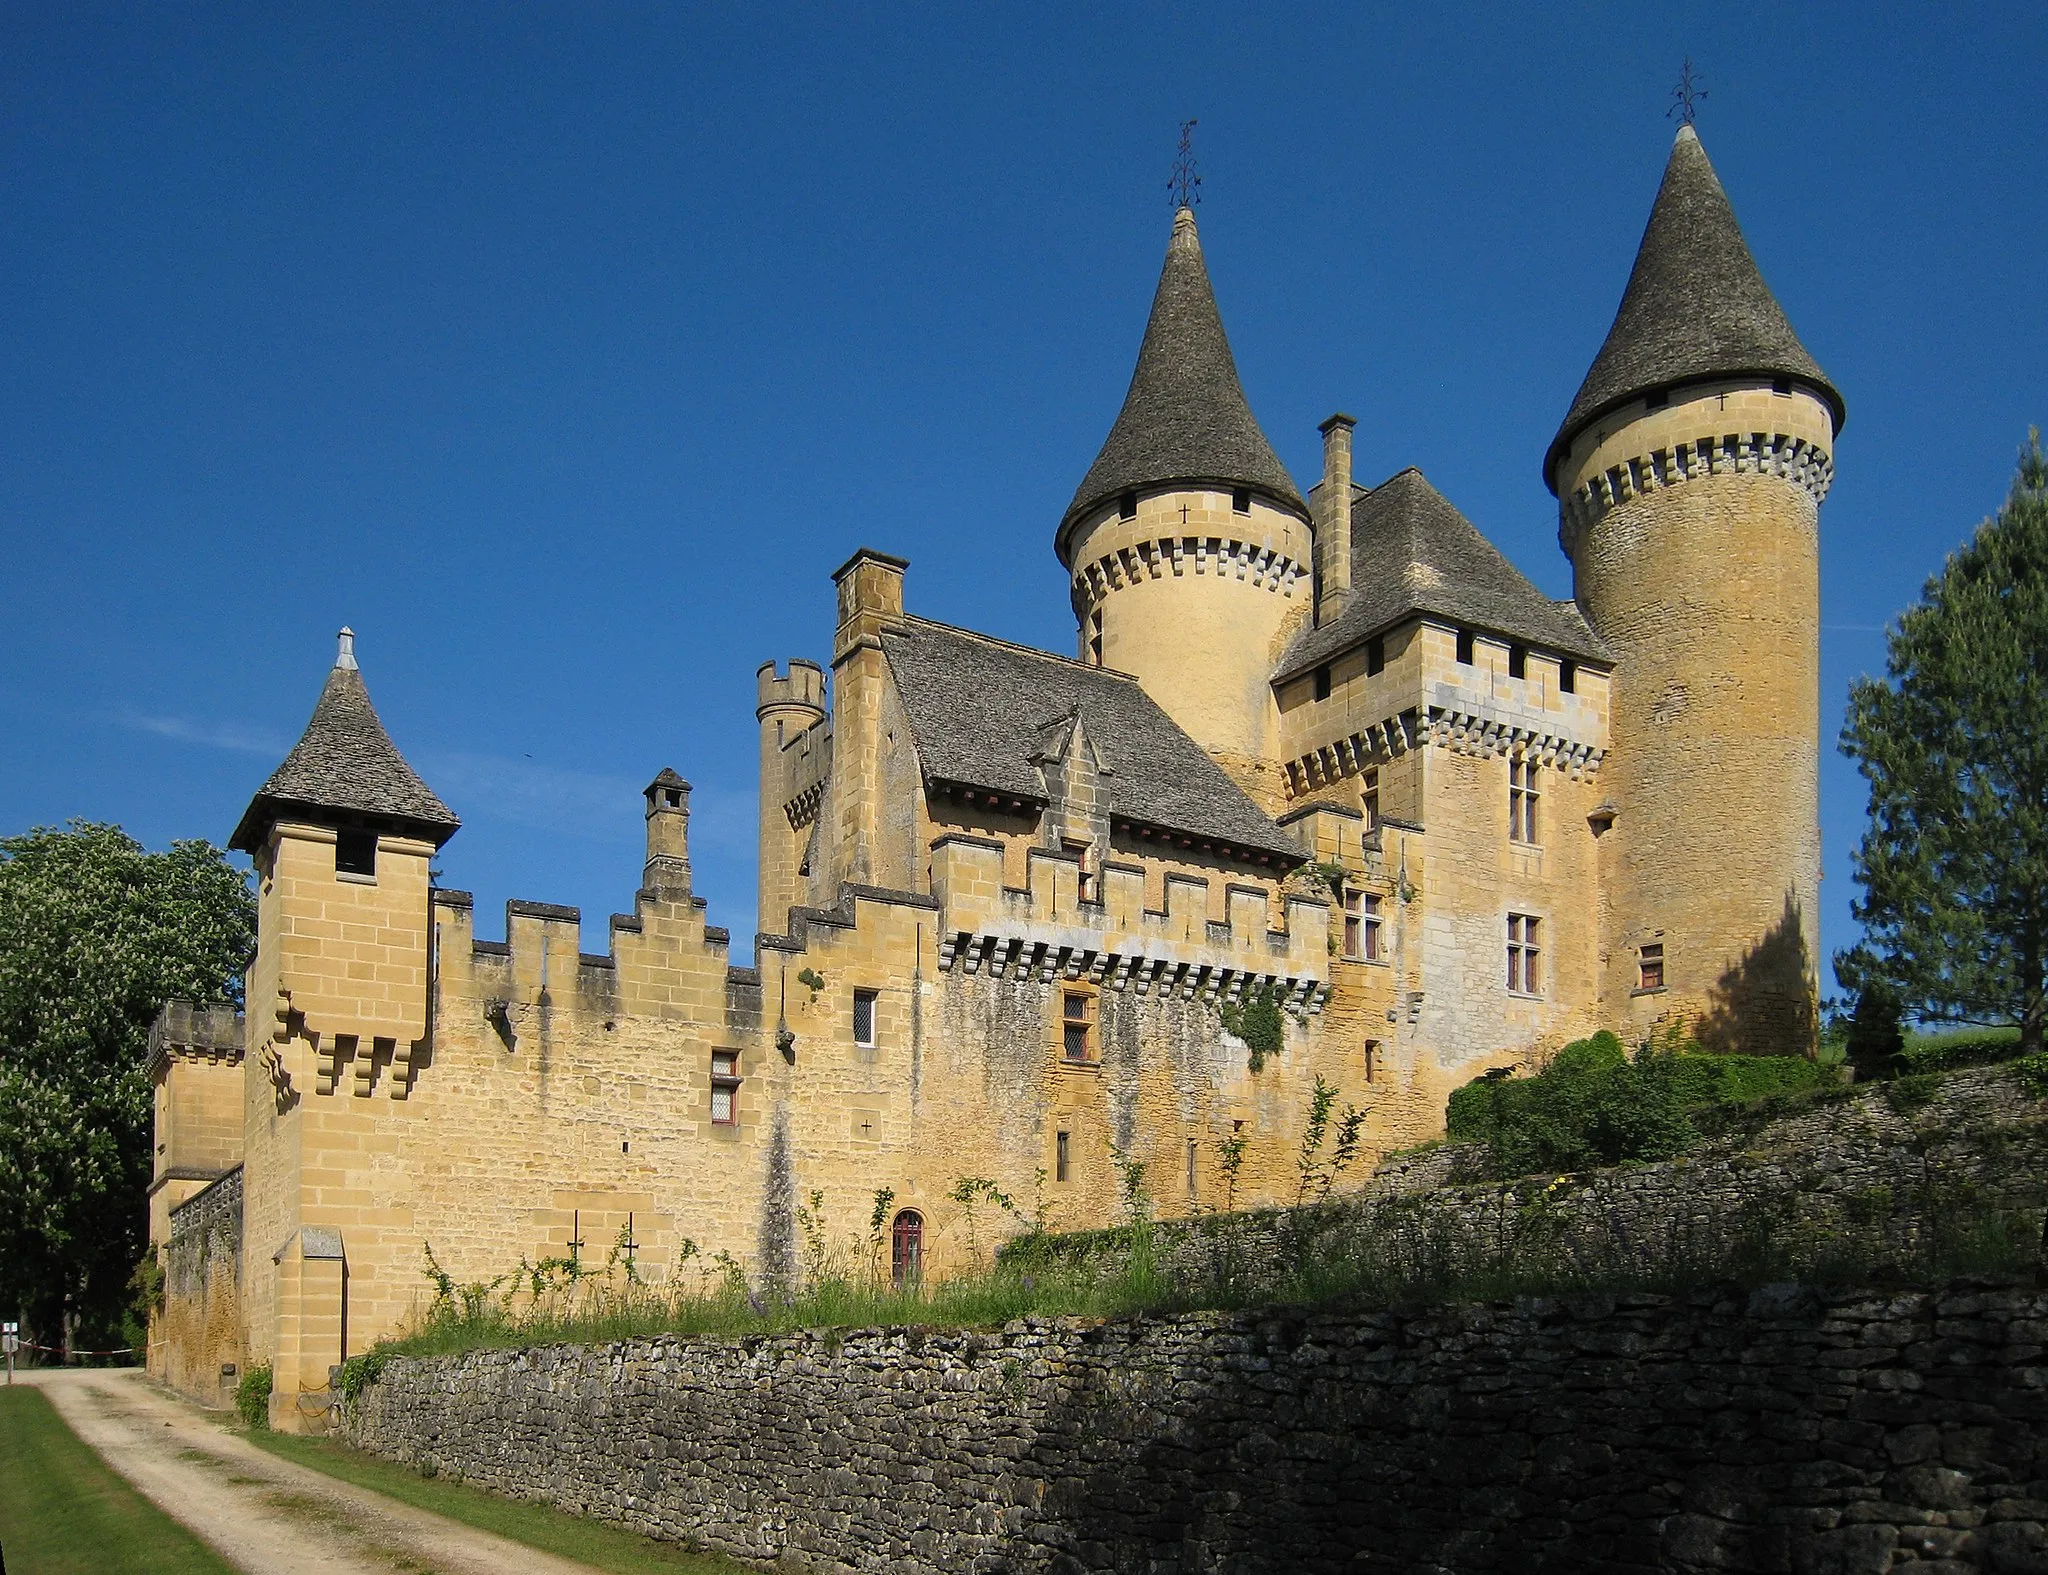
63 1511
534 1525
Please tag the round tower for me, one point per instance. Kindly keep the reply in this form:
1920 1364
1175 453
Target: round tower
1190 550
1689 475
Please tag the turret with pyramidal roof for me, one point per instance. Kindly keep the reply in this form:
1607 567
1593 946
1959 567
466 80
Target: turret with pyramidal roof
1689 472
345 765
1188 543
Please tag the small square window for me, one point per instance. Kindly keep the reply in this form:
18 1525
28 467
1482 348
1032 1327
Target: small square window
1465 647
1077 1027
1657 399
1375 655
1241 501
1127 506
1323 682
355 853
1781 385
864 1018
1650 966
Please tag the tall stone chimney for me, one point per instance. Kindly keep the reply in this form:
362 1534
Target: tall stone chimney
1333 519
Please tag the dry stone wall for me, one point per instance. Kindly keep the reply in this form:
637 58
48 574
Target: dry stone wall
1783 1430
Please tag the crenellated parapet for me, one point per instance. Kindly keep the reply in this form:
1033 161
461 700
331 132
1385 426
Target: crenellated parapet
1046 930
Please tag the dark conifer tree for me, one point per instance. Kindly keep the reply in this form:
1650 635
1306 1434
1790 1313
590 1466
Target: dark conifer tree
1954 742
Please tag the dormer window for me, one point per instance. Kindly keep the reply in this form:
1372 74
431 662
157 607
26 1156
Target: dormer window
1323 682
1568 677
1127 506
355 853
1465 647
1518 661
1241 501
1375 655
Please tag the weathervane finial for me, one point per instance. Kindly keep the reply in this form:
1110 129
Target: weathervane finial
1686 96
1185 185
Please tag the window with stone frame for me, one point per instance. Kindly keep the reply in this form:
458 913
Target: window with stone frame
725 1087
1369 796
1524 798
1361 925
1077 1026
1650 966
1372 1060
864 1002
1525 954
1062 1156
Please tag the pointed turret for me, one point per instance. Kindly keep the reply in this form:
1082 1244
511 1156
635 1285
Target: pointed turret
345 765
1696 308
1185 419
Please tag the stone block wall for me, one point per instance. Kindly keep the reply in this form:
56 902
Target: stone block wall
199 1333
1782 1430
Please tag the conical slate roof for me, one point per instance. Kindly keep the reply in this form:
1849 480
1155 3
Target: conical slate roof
1413 553
1185 416
1695 307
345 763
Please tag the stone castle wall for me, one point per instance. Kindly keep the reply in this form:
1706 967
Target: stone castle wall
196 1345
1781 1430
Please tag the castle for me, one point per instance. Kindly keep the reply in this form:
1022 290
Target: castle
1328 791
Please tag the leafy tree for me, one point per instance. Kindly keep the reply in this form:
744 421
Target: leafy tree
95 932
1954 865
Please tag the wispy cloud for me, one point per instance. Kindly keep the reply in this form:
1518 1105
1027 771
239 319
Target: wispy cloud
208 735
527 793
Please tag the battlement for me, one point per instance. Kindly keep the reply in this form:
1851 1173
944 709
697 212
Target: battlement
207 1033
1049 929
803 685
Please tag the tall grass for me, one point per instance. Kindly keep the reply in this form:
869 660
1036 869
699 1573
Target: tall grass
1399 1251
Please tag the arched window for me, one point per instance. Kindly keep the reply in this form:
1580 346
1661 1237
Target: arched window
906 1248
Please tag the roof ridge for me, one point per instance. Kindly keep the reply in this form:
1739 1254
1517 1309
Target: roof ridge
1023 650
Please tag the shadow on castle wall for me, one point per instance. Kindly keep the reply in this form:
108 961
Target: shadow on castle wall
1764 1004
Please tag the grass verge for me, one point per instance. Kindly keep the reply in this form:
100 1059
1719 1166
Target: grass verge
533 1525
63 1511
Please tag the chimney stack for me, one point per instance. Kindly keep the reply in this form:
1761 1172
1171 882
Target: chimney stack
667 871
1333 519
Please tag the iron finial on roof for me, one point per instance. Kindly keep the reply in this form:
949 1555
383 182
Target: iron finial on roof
1186 184
345 658
1686 96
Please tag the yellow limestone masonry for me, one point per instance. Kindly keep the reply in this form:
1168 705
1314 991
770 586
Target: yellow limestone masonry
1442 847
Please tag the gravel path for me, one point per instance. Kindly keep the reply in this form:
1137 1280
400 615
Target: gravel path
264 1515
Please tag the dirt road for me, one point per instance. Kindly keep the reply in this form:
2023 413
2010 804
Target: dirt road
264 1515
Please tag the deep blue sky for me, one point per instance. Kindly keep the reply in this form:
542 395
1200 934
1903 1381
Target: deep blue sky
563 351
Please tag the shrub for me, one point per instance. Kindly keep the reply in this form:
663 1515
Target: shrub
252 1398
1594 1104
1954 1051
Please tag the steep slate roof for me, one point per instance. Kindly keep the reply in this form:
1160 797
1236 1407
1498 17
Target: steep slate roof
1185 417
981 709
1695 307
344 762
1412 552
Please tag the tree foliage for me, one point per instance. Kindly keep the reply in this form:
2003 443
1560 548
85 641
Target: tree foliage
1954 743
95 933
